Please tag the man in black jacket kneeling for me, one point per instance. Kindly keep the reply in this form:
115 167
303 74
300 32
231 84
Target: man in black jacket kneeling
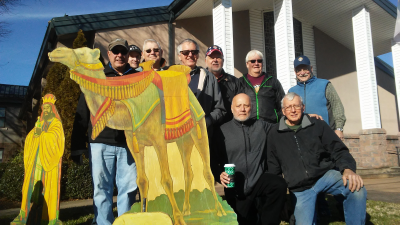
313 159
243 142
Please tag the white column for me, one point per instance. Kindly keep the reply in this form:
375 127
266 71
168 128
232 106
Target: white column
366 76
223 31
396 68
256 19
284 43
309 44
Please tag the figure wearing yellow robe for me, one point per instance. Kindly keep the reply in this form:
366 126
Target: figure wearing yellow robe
44 147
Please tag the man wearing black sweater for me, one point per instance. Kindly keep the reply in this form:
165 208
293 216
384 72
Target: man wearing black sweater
243 141
109 156
313 160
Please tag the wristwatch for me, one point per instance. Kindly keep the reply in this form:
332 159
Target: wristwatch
339 129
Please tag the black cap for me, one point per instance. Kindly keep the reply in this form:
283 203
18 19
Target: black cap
134 48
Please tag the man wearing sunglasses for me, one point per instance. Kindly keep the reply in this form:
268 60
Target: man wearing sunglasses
265 90
203 85
152 51
228 84
110 159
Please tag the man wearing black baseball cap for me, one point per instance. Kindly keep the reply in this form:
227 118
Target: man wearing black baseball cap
228 84
110 159
134 56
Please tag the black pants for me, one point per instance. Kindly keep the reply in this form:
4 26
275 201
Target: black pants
267 198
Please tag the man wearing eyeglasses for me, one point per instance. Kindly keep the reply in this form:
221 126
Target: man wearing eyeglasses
203 85
228 84
307 152
152 51
109 156
265 90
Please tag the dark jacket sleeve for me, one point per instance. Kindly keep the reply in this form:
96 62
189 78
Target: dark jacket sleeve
280 93
79 136
273 164
340 153
218 110
218 156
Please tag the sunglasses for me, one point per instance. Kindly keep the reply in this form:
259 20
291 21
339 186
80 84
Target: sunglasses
116 51
186 52
154 49
254 60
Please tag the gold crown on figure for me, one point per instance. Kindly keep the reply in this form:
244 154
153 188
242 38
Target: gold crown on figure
49 98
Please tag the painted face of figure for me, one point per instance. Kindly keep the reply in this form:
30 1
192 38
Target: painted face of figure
47 113
118 57
134 59
215 62
293 110
189 55
303 72
151 51
241 107
254 65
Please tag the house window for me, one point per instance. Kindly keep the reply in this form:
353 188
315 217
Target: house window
2 117
1 154
269 41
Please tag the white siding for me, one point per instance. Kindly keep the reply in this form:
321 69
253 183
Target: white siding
309 44
223 31
256 19
284 43
366 76
396 67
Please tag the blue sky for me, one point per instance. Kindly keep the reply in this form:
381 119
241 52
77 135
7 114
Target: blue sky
28 22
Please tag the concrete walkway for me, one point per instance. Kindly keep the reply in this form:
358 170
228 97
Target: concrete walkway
383 189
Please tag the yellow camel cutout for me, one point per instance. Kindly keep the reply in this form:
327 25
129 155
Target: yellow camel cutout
154 109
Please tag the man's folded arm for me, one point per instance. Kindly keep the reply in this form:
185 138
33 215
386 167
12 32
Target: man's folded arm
273 165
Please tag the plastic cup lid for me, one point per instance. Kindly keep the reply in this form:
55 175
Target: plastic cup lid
229 165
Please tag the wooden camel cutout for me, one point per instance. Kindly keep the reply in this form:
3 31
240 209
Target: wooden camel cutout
107 101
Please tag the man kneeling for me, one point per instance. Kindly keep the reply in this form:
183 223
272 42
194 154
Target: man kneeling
306 151
243 142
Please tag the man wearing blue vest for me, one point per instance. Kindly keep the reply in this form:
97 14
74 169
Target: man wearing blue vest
319 95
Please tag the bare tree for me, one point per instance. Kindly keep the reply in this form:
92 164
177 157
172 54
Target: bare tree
5 7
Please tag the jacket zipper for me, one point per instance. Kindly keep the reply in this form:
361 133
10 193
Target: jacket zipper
305 106
245 155
244 77
301 155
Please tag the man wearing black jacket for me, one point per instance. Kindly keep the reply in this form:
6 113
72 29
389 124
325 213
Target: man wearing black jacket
110 158
242 141
306 151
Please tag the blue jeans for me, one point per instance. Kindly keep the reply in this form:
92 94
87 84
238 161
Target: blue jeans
107 163
355 203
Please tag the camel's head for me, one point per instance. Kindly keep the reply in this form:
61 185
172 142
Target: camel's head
72 57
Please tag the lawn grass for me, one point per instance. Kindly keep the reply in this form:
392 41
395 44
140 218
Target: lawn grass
378 213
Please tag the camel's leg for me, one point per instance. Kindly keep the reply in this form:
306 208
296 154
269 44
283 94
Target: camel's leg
141 181
166 181
203 148
185 146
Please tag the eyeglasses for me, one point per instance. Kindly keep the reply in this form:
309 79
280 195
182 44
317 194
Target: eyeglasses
296 107
254 60
154 49
303 69
186 52
116 51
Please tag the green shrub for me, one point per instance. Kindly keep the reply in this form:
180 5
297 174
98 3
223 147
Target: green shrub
12 179
78 183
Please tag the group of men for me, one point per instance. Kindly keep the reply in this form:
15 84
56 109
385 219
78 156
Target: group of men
252 124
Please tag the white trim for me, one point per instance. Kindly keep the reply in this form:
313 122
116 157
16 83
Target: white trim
366 76
309 44
284 43
223 31
396 68
257 39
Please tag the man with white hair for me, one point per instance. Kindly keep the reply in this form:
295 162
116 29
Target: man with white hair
313 160
152 51
203 85
265 90
243 141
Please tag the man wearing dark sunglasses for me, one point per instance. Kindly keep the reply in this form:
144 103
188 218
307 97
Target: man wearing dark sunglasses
110 159
203 85
265 90
152 51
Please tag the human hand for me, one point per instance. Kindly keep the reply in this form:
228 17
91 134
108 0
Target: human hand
316 116
339 134
224 178
38 131
355 181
